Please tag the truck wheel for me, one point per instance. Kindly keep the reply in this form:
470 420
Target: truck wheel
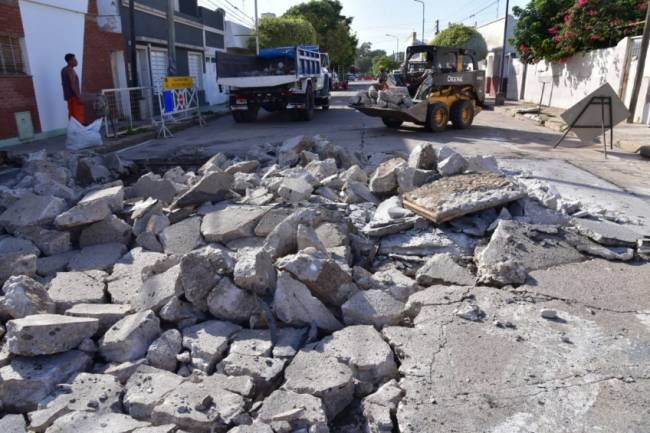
462 114
392 123
251 114
237 116
308 112
437 117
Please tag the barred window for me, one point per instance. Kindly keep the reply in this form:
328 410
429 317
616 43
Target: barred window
11 56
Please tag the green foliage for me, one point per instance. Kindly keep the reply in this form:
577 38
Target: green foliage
387 62
365 57
453 36
555 30
459 35
333 31
284 31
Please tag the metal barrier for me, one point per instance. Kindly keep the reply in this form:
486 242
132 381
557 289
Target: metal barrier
128 109
177 105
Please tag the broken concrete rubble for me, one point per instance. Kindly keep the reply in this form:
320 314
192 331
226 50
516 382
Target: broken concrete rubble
278 293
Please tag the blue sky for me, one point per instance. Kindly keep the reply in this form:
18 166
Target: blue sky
373 19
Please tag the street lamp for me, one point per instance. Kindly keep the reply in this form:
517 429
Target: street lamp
397 41
423 10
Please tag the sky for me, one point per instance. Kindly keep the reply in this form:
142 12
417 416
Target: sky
374 19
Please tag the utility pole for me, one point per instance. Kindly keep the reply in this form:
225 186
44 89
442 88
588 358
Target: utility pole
257 31
397 50
501 95
437 27
423 15
134 52
171 39
640 66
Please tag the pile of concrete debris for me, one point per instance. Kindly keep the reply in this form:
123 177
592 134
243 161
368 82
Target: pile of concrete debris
395 98
254 295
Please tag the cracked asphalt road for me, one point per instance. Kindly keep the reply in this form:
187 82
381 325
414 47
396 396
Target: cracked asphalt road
589 372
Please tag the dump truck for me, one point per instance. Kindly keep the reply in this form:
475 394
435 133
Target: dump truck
443 83
293 79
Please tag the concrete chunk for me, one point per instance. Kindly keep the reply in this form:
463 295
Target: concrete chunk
47 334
449 198
423 157
208 342
232 222
28 380
131 270
108 230
162 352
228 302
146 388
201 407
607 233
212 187
295 190
24 297
254 271
89 422
182 237
297 411
129 338
97 257
324 276
152 185
70 288
372 307
318 374
13 424
86 392
200 272
31 210
106 314
157 290
518 248
294 305
384 179
442 268
113 197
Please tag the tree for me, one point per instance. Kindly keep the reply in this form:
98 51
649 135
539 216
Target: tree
365 57
459 35
387 62
284 31
333 31
555 30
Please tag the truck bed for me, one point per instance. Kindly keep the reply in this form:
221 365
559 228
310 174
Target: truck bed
260 81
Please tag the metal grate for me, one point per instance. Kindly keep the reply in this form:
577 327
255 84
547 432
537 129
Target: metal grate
126 110
11 56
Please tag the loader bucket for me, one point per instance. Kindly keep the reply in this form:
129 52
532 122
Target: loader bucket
416 114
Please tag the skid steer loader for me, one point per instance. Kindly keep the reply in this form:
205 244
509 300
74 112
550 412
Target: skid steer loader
445 85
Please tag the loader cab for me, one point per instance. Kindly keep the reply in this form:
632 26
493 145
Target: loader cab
421 59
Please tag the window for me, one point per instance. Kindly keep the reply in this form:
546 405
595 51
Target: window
11 56
195 63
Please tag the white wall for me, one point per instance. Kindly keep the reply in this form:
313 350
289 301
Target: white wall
235 36
52 29
493 33
582 74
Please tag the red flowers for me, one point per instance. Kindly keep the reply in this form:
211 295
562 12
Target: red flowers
595 37
581 3
591 12
553 30
524 49
643 6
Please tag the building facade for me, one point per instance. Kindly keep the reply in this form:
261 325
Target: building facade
493 33
32 55
200 33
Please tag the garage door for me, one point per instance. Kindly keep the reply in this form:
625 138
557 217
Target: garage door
158 68
195 63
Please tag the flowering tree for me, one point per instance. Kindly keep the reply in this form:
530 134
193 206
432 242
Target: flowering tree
555 30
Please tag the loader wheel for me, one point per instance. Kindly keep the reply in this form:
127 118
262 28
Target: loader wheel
391 123
462 114
437 118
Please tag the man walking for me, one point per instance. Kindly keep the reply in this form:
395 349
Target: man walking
71 91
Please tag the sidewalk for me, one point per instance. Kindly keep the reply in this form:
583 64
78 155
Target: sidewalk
55 144
627 137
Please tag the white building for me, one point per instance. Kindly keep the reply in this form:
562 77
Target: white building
493 32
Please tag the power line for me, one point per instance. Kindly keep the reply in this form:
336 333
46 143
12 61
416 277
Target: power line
236 14
481 10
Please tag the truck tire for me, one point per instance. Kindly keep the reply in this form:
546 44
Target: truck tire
437 117
250 115
392 123
238 116
462 114
308 112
